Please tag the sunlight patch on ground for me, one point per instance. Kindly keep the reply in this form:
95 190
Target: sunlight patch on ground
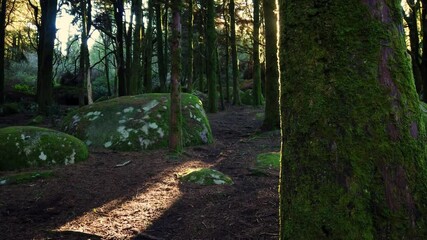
124 218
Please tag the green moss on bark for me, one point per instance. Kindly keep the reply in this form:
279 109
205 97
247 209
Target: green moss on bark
353 137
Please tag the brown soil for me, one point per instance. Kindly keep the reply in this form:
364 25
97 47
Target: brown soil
145 200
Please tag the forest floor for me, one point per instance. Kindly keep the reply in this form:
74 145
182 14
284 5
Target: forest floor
145 199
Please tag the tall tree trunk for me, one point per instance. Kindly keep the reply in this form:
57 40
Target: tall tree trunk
148 81
166 29
121 65
227 54
221 90
84 70
236 90
136 69
129 33
160 49
353 162
256 90
412 21
272 113
190 46
2 52
211 75
175 136
47 34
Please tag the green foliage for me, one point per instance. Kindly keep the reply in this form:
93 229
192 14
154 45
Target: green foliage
24 88
30 147
25 177
24 72
206 176
268 160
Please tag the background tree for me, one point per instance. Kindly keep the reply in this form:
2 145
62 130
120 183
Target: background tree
120 57
272 113
136 69
148 81
235 69
190 46
256 90
2 52
160 49
211 37
175 135
353 137
46 27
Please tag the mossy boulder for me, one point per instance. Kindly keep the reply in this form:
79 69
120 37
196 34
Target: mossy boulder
28 147
206 176
135 123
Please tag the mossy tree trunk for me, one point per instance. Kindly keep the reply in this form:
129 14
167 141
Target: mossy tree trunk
235 68
166 29
175 135
120 56
272 114
160 49
412 22
148 72
211 61
256 90
47 35
353 162
2 58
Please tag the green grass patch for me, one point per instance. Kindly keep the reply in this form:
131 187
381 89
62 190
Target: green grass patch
25 177
269 160
206 176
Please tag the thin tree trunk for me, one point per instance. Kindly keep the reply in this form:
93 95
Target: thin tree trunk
160 49
211 37
190 46
236 90
129 33
175 137
412 21
256 91
166 28
221 90
121 65
353 162
227 55
148 81
2 52
136 69
272 112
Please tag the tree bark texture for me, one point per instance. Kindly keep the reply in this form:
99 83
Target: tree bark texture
190 46
175 135
353 162
211 75
136 54
414 39
148 74
47 34
234 60
2 46
272 113
160 48
120 56
256 90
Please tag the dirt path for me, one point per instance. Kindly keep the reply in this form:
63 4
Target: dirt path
144 200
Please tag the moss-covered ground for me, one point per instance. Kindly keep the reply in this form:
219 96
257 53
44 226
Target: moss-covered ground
25 177
206 176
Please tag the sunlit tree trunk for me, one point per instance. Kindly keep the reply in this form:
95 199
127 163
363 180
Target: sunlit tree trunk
136 54
175 136
47 34
236 90
148 81
211 37
272 114
2 52
412 22
353 162
120 56
160 48
256 90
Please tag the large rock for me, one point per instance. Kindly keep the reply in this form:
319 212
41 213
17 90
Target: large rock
139 122
28 147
